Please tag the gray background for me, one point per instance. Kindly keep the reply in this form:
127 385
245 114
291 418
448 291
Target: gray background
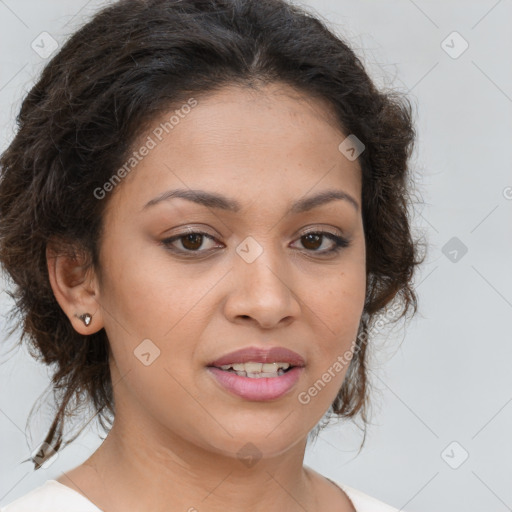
446 376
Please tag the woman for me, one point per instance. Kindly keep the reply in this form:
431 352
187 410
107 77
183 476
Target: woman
203 209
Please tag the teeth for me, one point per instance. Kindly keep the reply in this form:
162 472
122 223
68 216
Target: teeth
259 369
249 367
261 375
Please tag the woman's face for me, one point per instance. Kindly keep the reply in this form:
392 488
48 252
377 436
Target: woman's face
172 306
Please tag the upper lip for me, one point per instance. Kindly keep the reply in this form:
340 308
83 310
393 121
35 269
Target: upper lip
260 355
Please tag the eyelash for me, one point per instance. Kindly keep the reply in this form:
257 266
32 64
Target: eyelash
339 243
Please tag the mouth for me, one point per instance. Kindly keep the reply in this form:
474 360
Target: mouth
258 374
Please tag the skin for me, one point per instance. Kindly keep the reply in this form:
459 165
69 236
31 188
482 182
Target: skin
176 434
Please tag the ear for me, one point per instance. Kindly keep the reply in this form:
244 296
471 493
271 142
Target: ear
75 286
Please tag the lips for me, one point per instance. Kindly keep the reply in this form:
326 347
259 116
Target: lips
260 390
260 355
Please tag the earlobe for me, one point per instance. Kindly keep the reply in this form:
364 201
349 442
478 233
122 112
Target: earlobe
75 287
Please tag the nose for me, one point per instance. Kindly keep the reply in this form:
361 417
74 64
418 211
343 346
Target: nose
262 291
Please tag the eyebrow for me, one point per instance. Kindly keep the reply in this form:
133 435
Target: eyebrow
218 201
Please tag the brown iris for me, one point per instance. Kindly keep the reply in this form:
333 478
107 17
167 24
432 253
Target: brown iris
314 238
192 241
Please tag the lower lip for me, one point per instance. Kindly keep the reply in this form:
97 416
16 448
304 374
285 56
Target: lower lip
266 388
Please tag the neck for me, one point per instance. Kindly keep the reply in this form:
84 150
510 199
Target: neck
179 475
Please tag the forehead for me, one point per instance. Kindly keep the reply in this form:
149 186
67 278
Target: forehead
271 139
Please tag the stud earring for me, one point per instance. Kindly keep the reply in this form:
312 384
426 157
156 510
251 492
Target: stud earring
86 318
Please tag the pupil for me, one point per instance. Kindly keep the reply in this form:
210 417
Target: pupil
311 237
191 238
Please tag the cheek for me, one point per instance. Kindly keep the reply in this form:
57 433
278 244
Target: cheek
337 308
339 304
144 292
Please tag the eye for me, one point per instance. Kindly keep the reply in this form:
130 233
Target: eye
313 241
318 242
190 242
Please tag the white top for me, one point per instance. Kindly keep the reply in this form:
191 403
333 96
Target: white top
53 496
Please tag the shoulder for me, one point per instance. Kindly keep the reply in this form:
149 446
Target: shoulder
51 496
363 502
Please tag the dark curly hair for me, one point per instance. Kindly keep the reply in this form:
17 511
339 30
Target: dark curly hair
133 61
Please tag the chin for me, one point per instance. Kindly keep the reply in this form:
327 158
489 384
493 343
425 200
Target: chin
253 443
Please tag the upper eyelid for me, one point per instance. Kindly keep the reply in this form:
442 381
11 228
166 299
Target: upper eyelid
309 229
198 231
